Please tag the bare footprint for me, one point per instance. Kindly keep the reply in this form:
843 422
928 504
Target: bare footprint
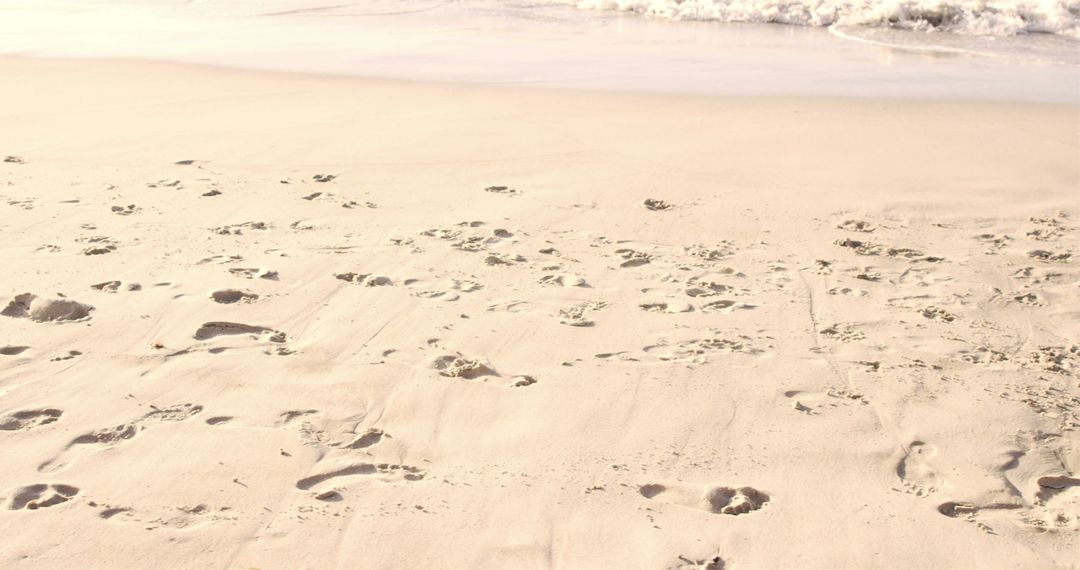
365 279
229 296
110 437
29 419
102 438
40 496
504 190
814 403
42 310
716 499
632 258
562 281
220 328
114 286
656 205
713 563
460 366
370 437
177 413
1052 485
381 471
666 307
915 472
254 273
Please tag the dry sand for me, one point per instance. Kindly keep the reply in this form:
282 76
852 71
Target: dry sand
271 321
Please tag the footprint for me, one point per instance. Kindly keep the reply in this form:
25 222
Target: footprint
229 296
716 499
10 350
707 289
42 310
383 471
125 210
113 436
970 511
508 307
29 419
632 258
220 328
110 512
367 439
465 285
712 253
254 273
665 307
114 286
365 279
460 366
19 306
1054 485
812 403
177 413
684 563
447 296
505 190
914 470
286 418
454 286
238 229
848 291
40 496
699 350
1049 256
165 183
99 249
219 259
562 281
856 226
1029 298
50 310
575 316
731 501
725 306
656 205
503 259
843 332
936 314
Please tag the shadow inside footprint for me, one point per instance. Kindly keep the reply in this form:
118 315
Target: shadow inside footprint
651 490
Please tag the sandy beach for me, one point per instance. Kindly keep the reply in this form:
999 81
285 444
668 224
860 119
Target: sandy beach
269 320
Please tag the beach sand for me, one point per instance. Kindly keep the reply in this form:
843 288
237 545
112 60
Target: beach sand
257 320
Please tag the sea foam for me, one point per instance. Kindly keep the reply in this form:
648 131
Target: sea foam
971 17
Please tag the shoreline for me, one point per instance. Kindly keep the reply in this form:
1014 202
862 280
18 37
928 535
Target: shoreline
563 48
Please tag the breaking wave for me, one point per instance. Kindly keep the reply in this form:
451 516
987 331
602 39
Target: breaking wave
968 17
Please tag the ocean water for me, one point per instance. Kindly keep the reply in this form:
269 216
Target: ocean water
980 49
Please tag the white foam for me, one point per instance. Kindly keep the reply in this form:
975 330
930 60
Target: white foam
974 17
